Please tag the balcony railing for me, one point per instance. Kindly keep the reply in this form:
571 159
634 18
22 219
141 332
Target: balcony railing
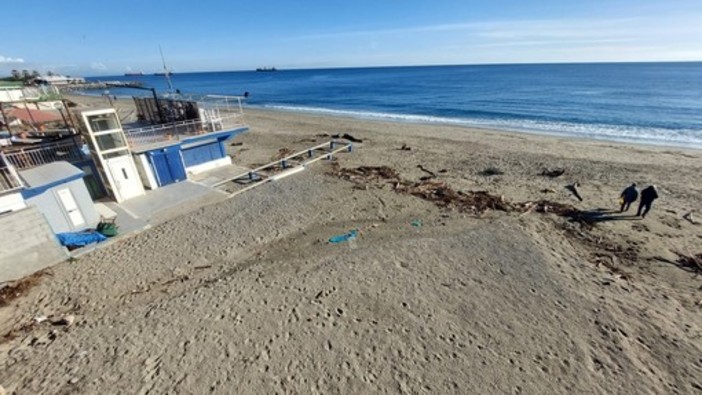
27 158
211 121
9 180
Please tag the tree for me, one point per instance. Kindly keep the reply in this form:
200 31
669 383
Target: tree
25 75
50 73
16 74
35 74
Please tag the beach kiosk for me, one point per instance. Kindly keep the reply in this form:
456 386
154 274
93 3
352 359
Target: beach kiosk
113 158
58 191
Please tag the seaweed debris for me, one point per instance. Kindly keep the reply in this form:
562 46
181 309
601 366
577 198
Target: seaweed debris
18 288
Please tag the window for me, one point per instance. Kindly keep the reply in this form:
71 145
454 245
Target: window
110 141
103 122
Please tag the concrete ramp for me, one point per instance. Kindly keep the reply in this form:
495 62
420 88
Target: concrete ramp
28 244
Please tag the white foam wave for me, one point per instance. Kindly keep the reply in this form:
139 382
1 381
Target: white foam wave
691 138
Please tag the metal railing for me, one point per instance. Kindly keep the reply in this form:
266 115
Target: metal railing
32 157
212 121
9 180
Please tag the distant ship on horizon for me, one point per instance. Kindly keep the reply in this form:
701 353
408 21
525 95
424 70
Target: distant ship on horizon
266 69
134 74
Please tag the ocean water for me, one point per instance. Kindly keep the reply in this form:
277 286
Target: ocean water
653 103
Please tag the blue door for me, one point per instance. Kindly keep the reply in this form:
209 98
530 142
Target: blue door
168 165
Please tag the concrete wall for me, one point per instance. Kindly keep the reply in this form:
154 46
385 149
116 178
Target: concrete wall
50 205
213 164
27 244
11 201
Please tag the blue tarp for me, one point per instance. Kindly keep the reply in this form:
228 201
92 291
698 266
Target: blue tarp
342 238
79 239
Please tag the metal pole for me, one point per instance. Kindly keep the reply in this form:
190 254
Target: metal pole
70 118
158 106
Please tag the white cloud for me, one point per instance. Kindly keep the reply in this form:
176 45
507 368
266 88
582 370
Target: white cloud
629 38
4 59
98 66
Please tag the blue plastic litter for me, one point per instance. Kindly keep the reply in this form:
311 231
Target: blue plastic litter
342 238
79 239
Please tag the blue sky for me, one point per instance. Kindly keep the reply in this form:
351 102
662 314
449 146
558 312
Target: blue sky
111 37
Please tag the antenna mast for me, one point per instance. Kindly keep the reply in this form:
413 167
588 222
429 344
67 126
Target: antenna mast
166 72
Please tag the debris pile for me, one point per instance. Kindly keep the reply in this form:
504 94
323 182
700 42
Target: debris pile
12 291
438 192
441 194
431 190
364 175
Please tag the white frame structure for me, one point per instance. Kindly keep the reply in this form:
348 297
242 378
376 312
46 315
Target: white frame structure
103 156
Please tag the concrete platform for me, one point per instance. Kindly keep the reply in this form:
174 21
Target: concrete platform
171 201
219 174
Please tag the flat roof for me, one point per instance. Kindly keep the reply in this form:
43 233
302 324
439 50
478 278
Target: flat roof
49 173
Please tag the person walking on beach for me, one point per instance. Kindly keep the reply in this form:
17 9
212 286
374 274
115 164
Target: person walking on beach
648 195
628 196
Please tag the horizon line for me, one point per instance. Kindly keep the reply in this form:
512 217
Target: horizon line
417 65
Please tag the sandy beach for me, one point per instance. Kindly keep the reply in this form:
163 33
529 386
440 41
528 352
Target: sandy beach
248 296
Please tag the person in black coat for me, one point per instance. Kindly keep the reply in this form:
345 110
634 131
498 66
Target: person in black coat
648 195
628 196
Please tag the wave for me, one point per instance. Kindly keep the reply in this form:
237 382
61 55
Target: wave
623 133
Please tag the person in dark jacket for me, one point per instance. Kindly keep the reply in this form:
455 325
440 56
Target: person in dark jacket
648 195
628 196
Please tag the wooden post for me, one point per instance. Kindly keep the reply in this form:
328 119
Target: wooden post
5 119
34 123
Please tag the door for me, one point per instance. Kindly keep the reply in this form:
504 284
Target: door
125 177
167 165
70 207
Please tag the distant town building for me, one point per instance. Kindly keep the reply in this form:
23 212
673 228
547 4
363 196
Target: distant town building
59 80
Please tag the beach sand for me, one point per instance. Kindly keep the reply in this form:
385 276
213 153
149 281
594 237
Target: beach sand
247 295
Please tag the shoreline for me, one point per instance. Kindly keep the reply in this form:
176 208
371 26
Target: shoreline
412 119
480 129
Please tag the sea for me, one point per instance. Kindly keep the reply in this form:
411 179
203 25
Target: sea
650 103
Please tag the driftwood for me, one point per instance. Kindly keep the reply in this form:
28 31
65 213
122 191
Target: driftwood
574 189
348 137
688 218
405 147
424 169
553 173
491 171
691 262
444 196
